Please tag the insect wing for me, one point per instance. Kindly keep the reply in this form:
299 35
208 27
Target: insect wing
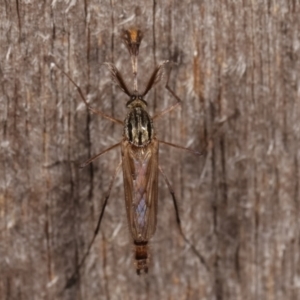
140 173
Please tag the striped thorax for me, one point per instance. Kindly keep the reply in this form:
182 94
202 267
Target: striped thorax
138 125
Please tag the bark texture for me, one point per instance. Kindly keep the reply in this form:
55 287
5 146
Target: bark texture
236 68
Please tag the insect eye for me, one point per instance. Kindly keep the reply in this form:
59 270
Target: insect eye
140 98
133 98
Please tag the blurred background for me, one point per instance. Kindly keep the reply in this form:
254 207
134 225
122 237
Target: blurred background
235 67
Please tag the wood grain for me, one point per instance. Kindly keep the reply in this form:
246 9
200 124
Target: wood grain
235 66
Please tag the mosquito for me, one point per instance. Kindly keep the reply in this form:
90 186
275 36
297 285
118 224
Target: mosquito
139 148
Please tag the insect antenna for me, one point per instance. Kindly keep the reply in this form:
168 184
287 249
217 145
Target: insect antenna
132 39
156 77
93 110
117 78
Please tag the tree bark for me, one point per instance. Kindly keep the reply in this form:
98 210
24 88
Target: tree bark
236 67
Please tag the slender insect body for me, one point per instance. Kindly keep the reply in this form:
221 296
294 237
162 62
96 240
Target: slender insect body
140 176
140 165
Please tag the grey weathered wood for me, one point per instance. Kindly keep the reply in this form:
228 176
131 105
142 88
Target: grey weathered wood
237 70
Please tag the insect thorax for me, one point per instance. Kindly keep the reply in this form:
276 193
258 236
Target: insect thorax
138 126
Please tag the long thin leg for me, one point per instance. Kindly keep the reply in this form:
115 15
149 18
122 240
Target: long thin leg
98 155
196 252
182 148
172 107
95 111
167 110
74 277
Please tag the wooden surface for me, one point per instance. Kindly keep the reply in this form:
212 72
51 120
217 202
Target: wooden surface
236 68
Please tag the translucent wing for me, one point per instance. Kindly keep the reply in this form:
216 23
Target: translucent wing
140 173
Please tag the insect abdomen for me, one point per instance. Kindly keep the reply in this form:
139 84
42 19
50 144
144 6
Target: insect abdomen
141 256
138 127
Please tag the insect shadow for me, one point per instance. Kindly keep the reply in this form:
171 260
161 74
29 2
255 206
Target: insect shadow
139 148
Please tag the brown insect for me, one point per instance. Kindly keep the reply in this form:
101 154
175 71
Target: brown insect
139 148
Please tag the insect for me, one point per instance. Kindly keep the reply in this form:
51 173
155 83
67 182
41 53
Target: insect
139 148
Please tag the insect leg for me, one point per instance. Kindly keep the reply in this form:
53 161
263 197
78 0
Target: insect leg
98 155
75 275
183 148
95 111
196 252
172 107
